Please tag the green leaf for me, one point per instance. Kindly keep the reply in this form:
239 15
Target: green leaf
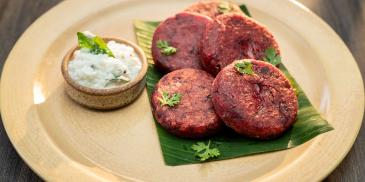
84 41
100 44
177 151
272 57
200 146
204 152
162 44
244 9
244 67
96 45
168 100
165 48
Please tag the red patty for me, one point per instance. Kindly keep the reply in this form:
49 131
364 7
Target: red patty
231 37
183 31
211 8
262 105
193 116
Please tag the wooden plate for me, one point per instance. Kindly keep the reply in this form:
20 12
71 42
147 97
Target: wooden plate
62 141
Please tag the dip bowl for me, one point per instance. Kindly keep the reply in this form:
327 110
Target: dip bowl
108 98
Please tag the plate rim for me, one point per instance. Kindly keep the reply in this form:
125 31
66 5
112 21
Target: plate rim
63 5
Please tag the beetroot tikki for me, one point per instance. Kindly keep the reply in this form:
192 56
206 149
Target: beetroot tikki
176 42
182 104
255 99
234 36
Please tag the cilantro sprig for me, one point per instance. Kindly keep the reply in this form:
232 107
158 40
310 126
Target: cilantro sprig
165 48
224 7
272 57
96 45
204 152
170 100
244 67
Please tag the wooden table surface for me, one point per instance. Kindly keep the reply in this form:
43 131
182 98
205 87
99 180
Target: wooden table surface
346 17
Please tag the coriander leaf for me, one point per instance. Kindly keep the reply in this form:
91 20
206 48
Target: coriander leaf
165 48
95 45
224 7
272 57
162 44
244 67
198 147
204 152
169 51
171 101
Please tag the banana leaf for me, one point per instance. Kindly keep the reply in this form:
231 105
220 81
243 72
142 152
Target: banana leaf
178 151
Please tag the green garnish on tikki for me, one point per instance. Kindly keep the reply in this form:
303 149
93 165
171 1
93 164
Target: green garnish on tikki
165 48
168 100
272 57
244 67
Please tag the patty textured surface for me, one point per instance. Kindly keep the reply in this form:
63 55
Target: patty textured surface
214 8
184 32
262 105
231 37
194 115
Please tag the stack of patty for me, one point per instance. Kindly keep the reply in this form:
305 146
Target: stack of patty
204 41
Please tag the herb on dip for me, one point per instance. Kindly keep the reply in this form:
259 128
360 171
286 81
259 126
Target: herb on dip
204 152
224 7
165 48
171 101
103 65
272 57
95 44
244 67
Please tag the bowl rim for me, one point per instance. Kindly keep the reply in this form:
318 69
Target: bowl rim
109 91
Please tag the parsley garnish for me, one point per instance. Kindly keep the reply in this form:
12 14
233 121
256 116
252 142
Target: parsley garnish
96 45
204 152
171 101
224 7
272 57
165 48
244 67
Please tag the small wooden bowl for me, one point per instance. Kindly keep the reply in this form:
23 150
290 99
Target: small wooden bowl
110 98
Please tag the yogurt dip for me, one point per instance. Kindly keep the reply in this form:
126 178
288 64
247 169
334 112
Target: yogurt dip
102 71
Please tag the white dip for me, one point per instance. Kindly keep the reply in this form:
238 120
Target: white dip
102 71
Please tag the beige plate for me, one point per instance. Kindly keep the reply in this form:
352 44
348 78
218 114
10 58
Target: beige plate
63 141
